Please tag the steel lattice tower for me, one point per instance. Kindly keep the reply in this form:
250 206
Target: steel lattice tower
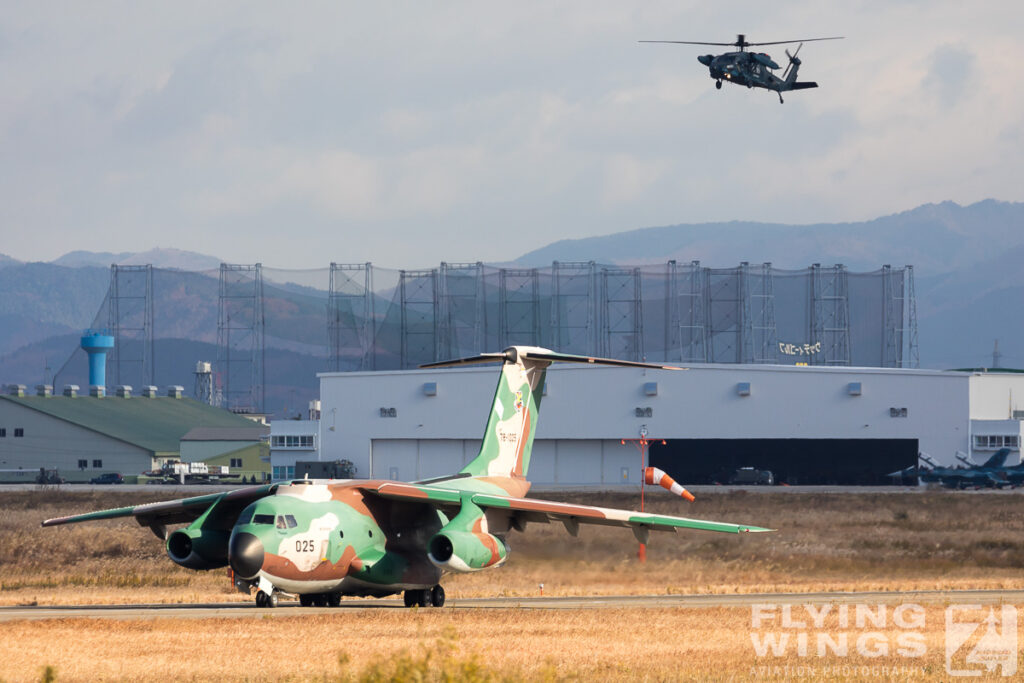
573 294
764 339
130 320
622 319
519 307
892 320
830 315
350 315
685 316
419 316
240 329
463 323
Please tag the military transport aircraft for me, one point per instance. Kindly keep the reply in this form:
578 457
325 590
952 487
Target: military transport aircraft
322 539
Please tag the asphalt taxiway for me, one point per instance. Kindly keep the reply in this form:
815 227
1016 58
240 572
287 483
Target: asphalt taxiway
289 609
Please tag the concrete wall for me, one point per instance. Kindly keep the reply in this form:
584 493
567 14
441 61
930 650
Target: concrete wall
588 409
995 396
52 443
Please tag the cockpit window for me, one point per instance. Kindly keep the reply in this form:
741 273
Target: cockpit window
286 522
245 517
263 519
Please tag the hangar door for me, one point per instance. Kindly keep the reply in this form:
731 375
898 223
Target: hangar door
417 459
793 461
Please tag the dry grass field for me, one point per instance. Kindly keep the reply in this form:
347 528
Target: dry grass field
470 645
840 541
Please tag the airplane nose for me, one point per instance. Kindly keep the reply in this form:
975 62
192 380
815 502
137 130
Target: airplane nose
245 552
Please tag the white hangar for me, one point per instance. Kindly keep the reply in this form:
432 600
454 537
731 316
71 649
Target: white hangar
807 424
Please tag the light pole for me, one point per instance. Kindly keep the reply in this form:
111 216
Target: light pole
642 444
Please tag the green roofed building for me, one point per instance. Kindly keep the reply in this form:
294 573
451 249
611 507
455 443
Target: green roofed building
84 436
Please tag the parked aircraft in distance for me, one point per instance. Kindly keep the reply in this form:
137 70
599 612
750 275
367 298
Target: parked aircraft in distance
322 539
992 474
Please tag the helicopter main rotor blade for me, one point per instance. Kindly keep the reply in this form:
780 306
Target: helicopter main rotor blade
686 42
741 43
802 40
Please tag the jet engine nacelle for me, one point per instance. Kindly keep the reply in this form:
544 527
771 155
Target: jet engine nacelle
198 548
466 551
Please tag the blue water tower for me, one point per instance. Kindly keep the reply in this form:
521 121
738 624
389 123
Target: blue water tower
97 345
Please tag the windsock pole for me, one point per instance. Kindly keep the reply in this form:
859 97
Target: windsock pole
642 443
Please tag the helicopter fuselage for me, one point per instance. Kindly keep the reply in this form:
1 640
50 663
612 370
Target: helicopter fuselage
744 68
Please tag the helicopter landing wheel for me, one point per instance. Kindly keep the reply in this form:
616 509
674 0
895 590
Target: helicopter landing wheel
718 85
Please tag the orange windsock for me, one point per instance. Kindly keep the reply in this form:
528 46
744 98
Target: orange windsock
652 475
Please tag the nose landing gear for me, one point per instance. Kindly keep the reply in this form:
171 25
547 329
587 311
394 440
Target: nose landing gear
266 599
718 85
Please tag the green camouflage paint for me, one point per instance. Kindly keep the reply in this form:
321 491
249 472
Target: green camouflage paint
359 537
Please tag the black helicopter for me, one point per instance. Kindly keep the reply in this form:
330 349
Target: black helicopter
752 69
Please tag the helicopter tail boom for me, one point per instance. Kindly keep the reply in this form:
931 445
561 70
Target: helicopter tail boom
803 85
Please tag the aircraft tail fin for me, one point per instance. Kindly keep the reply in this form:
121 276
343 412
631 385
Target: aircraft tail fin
998 458
789 77
508 438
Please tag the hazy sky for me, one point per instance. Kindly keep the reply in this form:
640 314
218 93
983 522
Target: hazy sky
407 133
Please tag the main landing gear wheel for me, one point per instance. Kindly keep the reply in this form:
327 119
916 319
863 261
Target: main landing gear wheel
424 597
333 599
718 85
264 600
417 597
306 600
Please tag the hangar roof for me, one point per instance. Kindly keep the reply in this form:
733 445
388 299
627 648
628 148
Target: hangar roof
154 424
251 432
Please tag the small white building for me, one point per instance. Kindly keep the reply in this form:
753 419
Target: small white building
808 424
290 442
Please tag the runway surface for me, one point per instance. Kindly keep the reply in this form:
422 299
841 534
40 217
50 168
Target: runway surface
292 609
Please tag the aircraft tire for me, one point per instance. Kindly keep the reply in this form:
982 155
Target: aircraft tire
272 600
320 600
306 600
333 599
419 597
261 599
437 596
718 85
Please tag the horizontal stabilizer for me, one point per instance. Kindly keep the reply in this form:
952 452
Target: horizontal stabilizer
535 353
803 86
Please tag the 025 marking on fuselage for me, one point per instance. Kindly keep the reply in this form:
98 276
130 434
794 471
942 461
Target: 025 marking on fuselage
338 543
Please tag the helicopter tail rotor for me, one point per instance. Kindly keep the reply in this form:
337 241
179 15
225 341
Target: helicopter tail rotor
794 61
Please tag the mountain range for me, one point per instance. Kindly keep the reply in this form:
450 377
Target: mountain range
967 260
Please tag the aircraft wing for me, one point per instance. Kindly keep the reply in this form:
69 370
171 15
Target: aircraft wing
172 511
537 510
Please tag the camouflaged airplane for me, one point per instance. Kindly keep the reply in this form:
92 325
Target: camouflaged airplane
322 539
